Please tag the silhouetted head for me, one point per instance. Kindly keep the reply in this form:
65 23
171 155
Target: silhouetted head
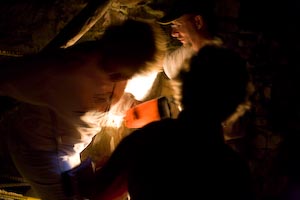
215 84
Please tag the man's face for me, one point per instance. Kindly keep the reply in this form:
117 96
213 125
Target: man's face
184 29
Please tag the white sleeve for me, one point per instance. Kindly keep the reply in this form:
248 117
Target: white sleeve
173 61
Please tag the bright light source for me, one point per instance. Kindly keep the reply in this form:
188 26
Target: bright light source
140 85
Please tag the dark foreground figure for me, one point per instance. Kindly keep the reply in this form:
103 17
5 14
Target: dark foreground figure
185 158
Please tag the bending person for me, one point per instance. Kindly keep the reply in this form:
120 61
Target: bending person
65 95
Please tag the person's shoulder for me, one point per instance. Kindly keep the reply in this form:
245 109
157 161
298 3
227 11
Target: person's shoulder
154 133
155 129
220 51
160 125
219 55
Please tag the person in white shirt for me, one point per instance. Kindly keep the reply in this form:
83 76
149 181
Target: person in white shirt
65 93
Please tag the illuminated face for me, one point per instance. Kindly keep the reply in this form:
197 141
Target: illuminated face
184 29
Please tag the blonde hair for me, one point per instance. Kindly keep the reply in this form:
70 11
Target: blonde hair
137 44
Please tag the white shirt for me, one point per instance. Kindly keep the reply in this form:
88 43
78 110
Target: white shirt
173 61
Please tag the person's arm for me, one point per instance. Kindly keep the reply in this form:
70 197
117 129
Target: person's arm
173 61
114 190
111 180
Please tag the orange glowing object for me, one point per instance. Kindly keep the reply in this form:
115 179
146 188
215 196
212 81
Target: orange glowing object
146 112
